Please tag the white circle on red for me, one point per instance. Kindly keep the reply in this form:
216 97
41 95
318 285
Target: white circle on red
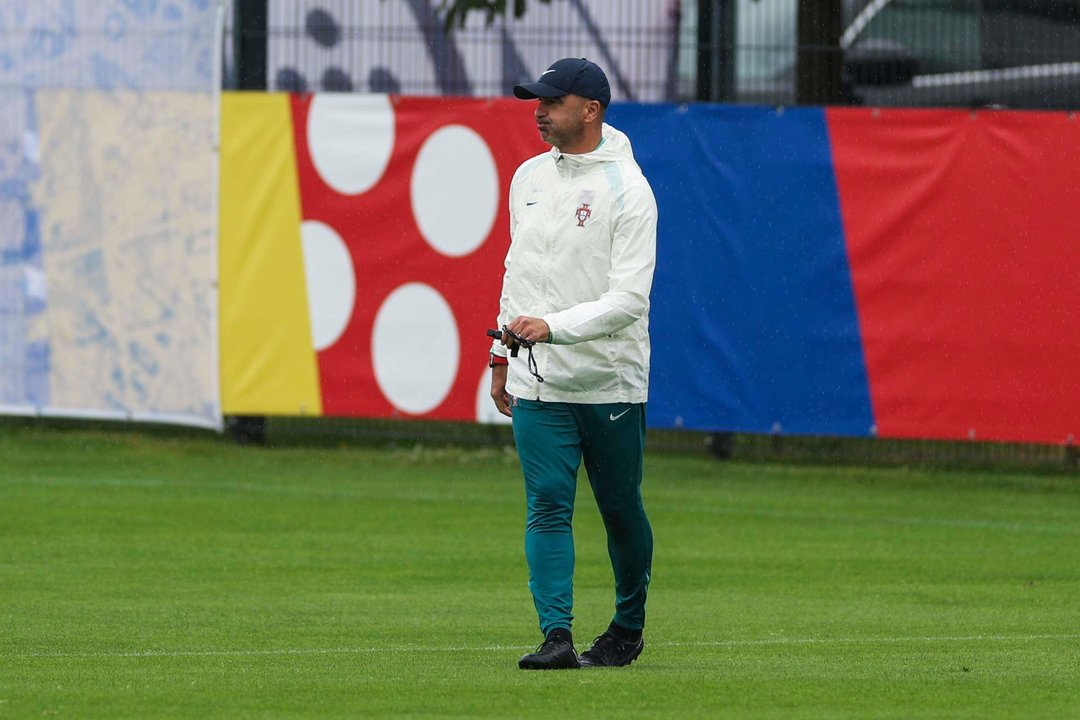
455 190
330 280
350 138
415 348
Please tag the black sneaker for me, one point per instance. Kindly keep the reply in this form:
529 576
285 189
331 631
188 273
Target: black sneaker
610 650
555 653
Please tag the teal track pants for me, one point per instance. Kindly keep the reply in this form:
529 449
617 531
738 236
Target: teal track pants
552 440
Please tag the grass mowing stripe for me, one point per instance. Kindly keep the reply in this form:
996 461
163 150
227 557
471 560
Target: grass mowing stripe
276 489
524 648
875 519
657 507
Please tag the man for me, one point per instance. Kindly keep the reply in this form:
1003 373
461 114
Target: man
578 275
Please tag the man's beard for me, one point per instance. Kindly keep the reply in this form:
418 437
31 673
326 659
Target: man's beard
565 137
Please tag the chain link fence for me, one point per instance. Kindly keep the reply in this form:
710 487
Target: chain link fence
905 53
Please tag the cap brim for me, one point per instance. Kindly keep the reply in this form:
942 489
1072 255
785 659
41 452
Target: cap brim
531 91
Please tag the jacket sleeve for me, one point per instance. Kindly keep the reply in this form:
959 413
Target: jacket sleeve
496 346
633 259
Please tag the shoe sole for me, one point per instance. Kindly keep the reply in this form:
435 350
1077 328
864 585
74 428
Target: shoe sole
534 666
566 663
586 664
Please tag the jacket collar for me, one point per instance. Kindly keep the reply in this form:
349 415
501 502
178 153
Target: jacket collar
614 146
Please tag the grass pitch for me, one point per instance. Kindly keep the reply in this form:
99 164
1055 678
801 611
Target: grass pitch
148 577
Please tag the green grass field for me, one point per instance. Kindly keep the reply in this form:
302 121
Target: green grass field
147 577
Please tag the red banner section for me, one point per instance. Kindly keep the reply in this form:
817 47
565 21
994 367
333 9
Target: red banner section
963 234
405 228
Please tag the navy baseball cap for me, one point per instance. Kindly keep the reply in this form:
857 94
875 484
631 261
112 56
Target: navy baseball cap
576 76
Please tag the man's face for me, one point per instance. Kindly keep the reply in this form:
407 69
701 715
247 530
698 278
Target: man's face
561 120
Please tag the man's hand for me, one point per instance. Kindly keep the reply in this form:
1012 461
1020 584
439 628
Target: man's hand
530 328
498 388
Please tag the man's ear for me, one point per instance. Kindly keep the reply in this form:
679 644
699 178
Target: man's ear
594 111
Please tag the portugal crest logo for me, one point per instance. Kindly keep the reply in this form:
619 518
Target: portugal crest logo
583 214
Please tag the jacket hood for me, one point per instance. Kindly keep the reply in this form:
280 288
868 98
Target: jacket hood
615 147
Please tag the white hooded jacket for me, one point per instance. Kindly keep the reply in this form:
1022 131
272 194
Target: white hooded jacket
582 254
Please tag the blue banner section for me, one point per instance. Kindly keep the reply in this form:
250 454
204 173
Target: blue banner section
753 316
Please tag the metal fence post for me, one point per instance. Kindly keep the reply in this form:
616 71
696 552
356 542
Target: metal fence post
251 22
820 64
716 51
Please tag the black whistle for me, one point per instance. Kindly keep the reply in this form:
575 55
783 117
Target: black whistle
497 334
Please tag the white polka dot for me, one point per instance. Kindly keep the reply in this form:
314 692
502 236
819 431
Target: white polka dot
415 348
331 282
350 138
485 406
455 190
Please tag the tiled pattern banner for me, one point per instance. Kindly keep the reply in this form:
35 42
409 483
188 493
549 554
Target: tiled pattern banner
108 199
